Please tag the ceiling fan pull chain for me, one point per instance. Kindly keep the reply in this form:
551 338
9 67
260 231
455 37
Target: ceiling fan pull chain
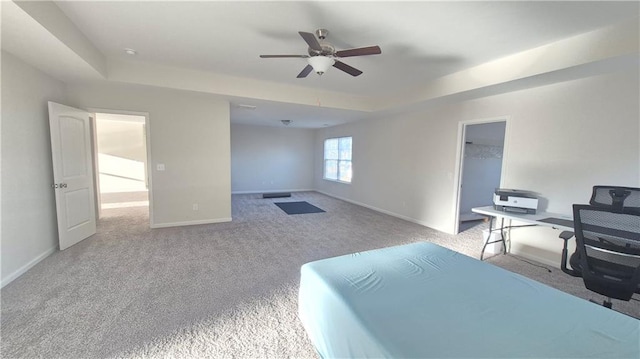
318 93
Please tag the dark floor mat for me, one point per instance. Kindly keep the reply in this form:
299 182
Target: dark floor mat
298 207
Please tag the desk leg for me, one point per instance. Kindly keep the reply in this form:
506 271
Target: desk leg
486 242
504 241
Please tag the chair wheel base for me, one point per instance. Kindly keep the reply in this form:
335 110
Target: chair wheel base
605 303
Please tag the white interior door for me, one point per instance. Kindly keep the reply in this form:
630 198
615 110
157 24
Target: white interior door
72 173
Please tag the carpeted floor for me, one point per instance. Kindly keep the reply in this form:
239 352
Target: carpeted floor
222 291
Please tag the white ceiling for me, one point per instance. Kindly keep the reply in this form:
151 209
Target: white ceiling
269 113
420 41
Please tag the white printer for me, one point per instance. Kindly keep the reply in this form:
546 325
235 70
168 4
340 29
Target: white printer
513 200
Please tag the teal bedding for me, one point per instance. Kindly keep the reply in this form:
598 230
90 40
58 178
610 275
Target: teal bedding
421 300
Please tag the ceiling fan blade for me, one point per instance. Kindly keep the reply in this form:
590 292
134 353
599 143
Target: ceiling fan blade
305 71
346 68
283 56
361 51
311 40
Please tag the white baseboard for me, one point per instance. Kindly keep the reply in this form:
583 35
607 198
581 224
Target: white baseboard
392 214
273 191
190 223
11 277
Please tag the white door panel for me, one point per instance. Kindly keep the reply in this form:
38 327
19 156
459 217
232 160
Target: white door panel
77 207
72 145
72 173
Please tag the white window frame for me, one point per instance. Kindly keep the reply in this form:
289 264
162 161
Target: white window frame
324 162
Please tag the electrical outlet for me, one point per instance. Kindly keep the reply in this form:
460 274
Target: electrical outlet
195 206
160 167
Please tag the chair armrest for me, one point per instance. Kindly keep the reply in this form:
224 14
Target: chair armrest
566 235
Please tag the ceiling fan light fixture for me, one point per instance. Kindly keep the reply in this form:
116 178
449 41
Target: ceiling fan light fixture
321 64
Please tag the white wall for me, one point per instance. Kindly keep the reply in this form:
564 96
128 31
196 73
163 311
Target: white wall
122 153
271 159
29 226
561 140
189 134
121 138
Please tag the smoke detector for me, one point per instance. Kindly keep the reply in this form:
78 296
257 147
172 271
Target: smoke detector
286 122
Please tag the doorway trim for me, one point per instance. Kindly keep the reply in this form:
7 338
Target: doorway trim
457 182
147 127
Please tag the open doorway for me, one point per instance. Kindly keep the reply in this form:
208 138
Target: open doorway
480 168
121 148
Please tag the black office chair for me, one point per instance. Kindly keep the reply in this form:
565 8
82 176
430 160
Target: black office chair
617 198
608 243
607 233
613 197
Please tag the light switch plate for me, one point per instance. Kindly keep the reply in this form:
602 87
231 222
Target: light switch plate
160 166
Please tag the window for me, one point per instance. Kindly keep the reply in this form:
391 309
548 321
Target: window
337 159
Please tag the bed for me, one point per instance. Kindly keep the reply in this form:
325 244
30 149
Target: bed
422 300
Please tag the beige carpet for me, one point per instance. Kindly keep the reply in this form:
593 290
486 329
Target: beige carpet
220 291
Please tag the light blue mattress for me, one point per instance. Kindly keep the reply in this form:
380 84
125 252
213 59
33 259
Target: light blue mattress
424 301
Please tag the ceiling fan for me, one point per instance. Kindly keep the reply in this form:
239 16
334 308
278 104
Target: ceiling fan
322 54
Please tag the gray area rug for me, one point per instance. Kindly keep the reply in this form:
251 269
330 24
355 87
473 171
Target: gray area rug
225 290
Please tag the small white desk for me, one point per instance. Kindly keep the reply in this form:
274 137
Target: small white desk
553 220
